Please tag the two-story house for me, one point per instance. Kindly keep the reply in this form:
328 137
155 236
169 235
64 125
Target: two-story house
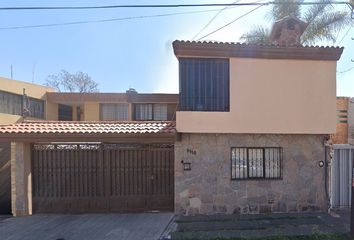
253 123
103 118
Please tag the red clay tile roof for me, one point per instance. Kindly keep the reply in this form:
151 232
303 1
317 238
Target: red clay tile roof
245 50
61 127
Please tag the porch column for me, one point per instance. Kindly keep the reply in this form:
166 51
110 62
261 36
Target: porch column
21 179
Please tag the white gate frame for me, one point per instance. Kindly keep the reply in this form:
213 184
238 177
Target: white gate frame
341 175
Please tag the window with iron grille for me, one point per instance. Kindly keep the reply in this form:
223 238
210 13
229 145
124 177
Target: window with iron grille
10 103
15 104
204 84
36 108
256 163
149 111
114 111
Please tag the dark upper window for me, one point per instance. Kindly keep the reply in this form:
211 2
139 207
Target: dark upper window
204 84
65 112
149 111
16 104
256 163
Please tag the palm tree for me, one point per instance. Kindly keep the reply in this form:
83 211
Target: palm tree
323 21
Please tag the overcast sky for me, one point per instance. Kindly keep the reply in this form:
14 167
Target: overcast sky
122 54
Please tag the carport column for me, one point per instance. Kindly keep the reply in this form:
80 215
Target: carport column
21 179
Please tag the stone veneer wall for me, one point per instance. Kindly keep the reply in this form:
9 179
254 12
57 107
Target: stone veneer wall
208 188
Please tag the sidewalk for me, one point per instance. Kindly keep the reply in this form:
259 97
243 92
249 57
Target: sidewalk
252 226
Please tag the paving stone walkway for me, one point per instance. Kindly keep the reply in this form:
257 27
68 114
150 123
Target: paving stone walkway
246 226
142 226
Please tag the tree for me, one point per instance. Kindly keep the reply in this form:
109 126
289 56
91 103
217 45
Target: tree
322 19
72 82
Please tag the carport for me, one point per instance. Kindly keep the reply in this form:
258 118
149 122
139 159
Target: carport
83 167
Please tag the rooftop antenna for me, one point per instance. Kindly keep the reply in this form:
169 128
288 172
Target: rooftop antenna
12 77
33 71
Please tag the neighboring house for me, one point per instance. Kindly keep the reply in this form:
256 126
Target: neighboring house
142 124
129 106
253 122
351 121
342 127
133 132
13 102
345 121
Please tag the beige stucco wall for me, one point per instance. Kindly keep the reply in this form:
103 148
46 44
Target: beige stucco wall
91 111
272 96
6 119
51 111
32 90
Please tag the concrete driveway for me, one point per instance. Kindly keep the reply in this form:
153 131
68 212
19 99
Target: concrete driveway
144 226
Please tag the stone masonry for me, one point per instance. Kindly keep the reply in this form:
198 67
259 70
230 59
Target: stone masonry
208 189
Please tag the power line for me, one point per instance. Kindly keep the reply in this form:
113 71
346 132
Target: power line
105 20
345 35
211 20
230 23
347 70
163 5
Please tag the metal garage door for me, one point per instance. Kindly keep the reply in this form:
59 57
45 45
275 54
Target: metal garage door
341 175
82 178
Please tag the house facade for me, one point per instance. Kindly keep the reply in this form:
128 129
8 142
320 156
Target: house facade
250 135
129 106
69 143
253 123
351 121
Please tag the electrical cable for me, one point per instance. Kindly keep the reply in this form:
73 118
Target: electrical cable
347 70
228 24
162 5
106 20
346 33
211 20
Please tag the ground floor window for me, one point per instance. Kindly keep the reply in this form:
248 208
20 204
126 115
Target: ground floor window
256 163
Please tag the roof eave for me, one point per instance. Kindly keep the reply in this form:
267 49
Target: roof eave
227 50
87 137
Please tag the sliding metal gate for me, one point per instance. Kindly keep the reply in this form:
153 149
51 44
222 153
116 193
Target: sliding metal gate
341 175
80 178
